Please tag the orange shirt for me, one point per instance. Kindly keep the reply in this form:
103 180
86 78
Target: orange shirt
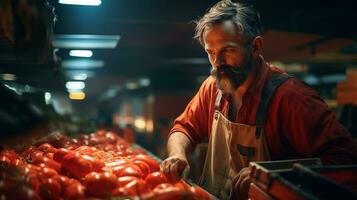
298 124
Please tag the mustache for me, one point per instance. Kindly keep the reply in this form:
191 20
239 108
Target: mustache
227 70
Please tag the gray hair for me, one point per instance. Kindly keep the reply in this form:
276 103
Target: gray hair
246 18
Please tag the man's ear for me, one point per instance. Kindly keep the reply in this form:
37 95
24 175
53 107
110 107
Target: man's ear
257 46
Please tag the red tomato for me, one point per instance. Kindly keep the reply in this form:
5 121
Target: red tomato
50 189
49 155
33 155
145 168
155 178
162 186
199 193
45 172
11 154
76 165
5 161
60 154
47 162
47 148
119 192
127 170
170 193
33 180
74 191
136 187
20 192
100 185
154 165
97 165
182 185
122 181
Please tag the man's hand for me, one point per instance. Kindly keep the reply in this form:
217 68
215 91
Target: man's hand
241 184
174 167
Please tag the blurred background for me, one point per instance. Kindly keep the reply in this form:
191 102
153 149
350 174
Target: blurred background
132 66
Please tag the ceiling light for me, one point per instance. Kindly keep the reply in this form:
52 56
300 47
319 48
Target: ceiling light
47 98
8 77
81 2
144 82
79 41
80 77
75 85
132 85
81 53
82 64
77 95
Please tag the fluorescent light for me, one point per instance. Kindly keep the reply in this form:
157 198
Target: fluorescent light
81 53
82 64
9 77
144 82
80 77
77 95
79 41
75 85
47 98
132 85
81 2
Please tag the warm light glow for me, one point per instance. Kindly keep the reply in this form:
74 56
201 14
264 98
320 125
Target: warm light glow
77 95
8 77
81 2
81 53
75 85
140 123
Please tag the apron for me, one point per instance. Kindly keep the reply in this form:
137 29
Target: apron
233 145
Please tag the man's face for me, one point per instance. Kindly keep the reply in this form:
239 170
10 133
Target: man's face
229 56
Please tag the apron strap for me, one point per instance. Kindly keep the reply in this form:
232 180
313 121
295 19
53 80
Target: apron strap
218 100
269 89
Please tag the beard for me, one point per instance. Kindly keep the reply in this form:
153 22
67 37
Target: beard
229 77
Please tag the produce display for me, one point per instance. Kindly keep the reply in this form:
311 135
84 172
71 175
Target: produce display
100 165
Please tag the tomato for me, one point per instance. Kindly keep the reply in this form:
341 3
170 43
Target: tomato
45 172
154 165
136 187
33 155
155 178
119 192
47 162
47 148
33 180
74 191
122 181
100 185
97 165
127 170
199 193
182 185
162 186
60 154
145 168
11 154
5 161
169 193
76 165
50 189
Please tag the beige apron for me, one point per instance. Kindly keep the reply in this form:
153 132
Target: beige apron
231 147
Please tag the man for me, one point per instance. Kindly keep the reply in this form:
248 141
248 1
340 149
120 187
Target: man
249 109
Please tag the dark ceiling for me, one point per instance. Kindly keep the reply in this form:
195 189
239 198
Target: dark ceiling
156 39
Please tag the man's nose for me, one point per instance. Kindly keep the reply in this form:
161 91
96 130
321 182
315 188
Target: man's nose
218 60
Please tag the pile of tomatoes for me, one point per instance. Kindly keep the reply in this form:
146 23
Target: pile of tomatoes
99 165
